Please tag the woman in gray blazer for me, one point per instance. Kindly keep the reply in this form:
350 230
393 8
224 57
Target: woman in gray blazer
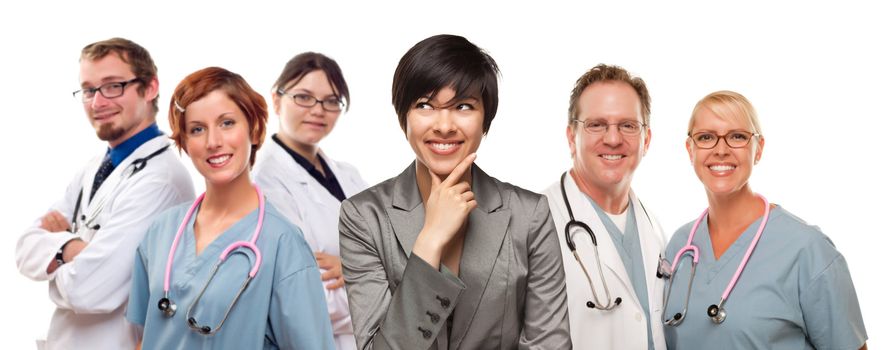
444 256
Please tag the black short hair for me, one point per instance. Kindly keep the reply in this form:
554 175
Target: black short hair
307 62
445 61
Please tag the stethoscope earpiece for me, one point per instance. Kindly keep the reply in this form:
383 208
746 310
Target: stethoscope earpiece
675 320
616 302
195 325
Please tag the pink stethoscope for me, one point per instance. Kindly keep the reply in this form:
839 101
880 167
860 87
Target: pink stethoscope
716 311
168 307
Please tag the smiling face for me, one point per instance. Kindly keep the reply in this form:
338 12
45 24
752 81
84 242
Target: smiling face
443 131
607 161
217 138
303 127
116 119
722 169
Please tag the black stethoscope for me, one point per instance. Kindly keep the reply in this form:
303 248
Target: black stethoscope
136 167
574 224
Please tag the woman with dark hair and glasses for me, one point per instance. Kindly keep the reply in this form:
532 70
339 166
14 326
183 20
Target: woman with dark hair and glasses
301 180
444 256
761 277
227 271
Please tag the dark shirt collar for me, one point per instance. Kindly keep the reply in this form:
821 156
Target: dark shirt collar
327 180
309 167
122 151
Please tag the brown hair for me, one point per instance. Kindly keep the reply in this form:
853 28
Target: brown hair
307 62
202 82
135 55
609 73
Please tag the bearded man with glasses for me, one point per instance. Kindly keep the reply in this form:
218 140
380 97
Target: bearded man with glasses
85 244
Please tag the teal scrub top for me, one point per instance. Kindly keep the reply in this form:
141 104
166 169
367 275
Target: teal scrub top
283 306
795 292
628 245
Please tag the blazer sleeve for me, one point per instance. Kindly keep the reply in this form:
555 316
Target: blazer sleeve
546 325
407 316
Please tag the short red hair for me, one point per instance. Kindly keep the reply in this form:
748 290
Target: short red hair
202 82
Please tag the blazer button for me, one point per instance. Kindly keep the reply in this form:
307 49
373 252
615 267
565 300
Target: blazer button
434 317
445 302
426 333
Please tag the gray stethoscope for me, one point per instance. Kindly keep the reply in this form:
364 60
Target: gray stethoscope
168 307
568 237
136 167
715 312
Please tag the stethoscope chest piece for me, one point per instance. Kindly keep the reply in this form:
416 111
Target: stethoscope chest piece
167 306
717 314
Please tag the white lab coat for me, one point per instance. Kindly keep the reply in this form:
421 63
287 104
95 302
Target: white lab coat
625 326
91 292
301 199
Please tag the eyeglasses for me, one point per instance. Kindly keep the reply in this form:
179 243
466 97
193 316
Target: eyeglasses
332 104
627 128
108 90
734 139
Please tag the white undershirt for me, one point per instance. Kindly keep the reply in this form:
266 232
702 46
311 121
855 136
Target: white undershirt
619 219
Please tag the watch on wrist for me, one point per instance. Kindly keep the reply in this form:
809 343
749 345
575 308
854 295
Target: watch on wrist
59 255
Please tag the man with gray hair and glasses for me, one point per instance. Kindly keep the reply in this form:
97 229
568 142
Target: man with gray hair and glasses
85 244
610 243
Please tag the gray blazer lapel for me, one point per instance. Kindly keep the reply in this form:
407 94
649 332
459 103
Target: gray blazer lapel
406 213
488 225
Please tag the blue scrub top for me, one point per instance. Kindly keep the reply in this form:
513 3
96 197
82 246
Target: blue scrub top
628 245
794 293
283 307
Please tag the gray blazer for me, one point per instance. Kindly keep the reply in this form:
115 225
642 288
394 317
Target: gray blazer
510 292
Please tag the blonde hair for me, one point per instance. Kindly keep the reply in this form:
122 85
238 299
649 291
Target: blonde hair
729 105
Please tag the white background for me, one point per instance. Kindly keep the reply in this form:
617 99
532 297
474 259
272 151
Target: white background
813 73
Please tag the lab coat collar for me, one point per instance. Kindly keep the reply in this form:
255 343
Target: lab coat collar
347 183
298 174
651 247
119 174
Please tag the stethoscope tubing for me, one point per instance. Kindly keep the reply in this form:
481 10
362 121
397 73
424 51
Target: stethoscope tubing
133 168
611 302
715 311
766 216
250 244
